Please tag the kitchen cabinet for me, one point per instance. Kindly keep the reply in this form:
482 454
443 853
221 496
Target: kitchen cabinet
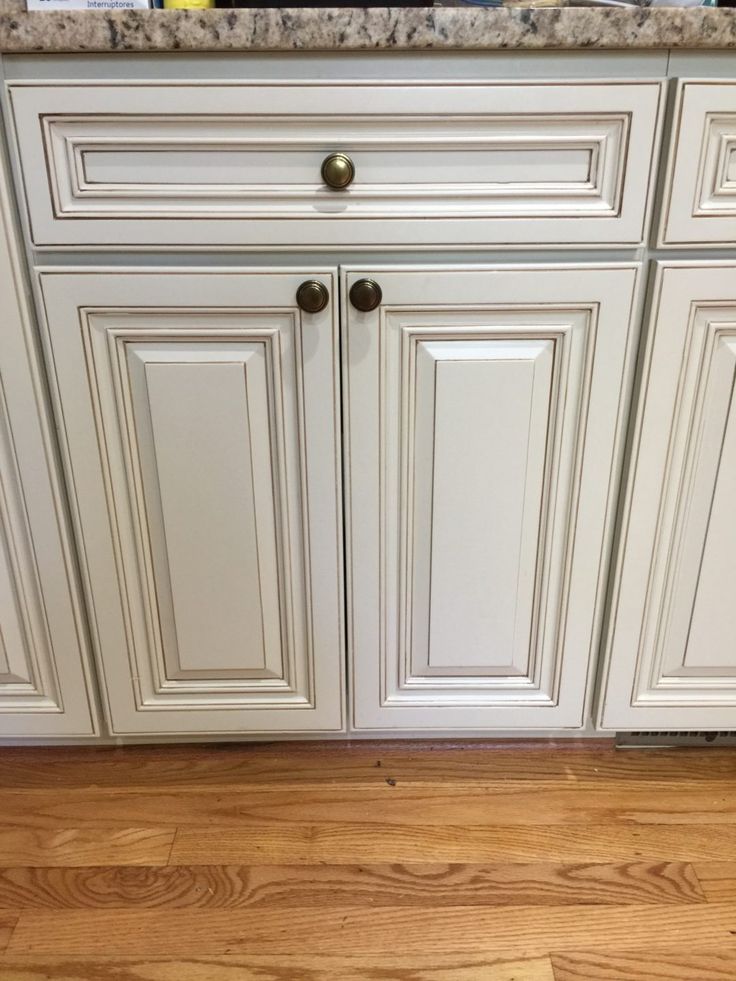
341 361
484 409
200 421
45 689
671 650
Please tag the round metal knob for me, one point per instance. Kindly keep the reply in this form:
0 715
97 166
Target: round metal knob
338 171
312 296
365 295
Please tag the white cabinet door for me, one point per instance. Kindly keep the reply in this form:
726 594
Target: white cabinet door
199 411
44 684
671 652
484 409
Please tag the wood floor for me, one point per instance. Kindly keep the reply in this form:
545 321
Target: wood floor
367 862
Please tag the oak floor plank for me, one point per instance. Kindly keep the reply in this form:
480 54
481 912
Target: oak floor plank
278 968
366 763
8 920
654 965
235 887
389 803
717 880
350 843
518 931
410 861
64 846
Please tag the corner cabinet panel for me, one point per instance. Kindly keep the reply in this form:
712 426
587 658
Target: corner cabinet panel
484 411
45 689
671 658
43 685
201 421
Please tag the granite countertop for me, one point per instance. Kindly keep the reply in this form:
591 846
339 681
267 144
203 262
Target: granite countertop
396 28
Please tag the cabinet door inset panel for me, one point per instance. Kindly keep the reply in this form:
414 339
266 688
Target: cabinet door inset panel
439 163
217 577
480 409
700 202
484 409
207 433
671 659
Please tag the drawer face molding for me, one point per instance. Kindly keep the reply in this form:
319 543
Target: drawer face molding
484 414
672 653
700 202
462 164
187 428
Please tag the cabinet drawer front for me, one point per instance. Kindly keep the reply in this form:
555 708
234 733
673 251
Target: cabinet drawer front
700 201
484 409
210 528
241 163
672 637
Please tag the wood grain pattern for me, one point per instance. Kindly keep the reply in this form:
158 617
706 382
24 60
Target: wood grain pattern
214 887
364 763
277 967
348 843
520 931
653 965
311 862
8 921
84 846
388 804
717 880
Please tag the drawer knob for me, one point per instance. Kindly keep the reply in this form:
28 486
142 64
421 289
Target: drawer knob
312 296
338 171
365 295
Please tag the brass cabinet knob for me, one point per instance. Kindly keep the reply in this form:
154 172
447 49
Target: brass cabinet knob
365 295
338 171
312 296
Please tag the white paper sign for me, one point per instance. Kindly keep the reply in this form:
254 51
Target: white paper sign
87 4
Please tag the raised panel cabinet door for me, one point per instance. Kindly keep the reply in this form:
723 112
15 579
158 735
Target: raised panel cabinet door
45 689
484 410
671 645
199 414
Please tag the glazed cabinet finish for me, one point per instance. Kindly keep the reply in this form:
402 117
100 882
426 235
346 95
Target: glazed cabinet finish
44 684
201 423
671 658
484 408
700 199
238 164
477 415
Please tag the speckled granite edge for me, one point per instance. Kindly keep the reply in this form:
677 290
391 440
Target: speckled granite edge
443 28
